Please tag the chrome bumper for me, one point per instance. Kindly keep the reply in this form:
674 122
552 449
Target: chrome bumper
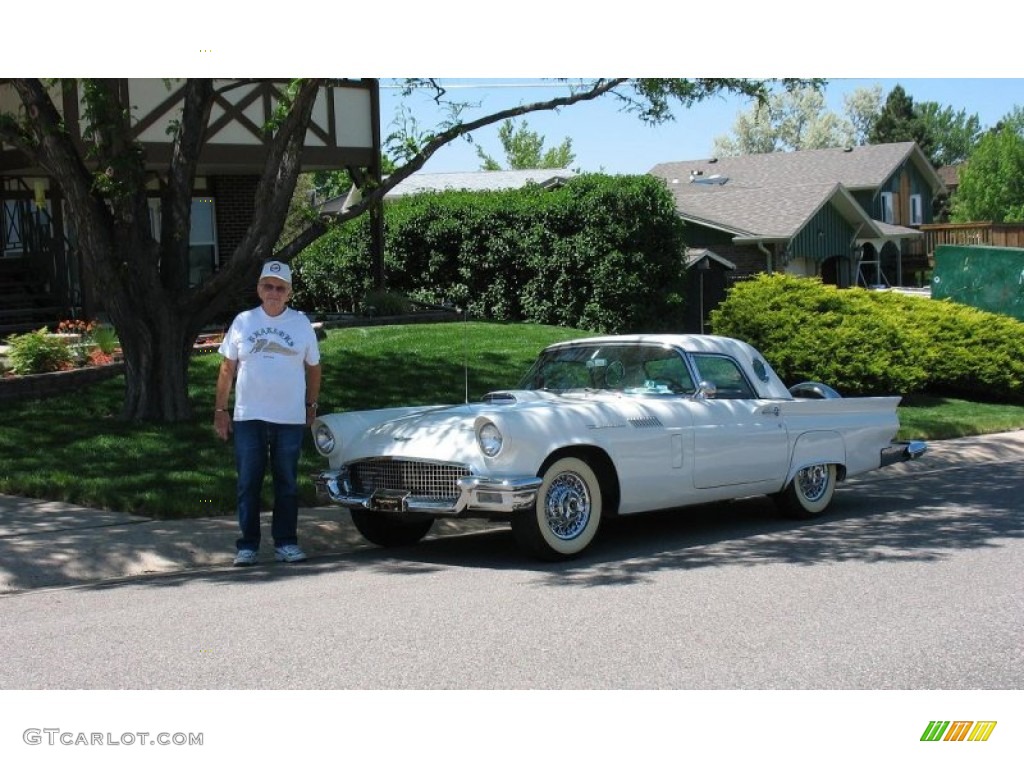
903 451
476 494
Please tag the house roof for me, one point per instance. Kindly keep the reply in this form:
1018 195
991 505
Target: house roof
695 255
950 175
762 213
773 196
481 181
856 168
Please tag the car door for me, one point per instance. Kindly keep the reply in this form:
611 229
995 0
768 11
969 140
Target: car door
739 439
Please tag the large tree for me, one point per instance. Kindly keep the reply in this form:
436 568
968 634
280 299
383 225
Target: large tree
796 119
862 107
142 279
901 121
954 134
524 149
992 183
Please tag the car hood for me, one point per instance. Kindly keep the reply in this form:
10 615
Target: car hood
448 432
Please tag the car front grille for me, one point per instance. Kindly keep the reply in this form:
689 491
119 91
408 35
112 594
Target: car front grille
420 478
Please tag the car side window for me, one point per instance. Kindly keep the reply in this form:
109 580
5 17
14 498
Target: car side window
725 374
668 372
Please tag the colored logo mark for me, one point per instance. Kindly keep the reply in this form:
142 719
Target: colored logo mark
958 730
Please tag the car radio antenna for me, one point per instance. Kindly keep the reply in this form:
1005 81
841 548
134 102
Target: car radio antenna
465 350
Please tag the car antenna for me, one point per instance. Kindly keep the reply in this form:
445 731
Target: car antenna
465 350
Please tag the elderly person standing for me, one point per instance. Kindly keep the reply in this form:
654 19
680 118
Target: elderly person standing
272 351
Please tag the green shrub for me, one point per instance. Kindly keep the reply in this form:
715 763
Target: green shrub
972 353
385 303
335 272
875 342
104 337
38 352
603 253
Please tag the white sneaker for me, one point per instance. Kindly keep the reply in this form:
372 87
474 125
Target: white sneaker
246 557
289 553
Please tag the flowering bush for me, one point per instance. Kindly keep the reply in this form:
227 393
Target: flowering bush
79 327
93 344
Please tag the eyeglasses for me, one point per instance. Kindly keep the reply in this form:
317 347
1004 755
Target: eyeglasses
273 288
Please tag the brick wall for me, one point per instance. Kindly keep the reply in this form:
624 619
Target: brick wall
235 201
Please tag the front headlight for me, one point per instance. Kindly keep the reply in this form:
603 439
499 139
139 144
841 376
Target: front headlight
489 438
323 438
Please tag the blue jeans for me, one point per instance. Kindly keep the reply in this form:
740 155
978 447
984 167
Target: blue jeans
254 441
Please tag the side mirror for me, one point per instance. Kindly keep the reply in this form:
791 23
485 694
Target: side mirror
706 389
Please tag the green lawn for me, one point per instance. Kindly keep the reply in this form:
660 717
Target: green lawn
73 448
941 418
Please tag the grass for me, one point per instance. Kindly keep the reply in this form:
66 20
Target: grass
942 418
73 448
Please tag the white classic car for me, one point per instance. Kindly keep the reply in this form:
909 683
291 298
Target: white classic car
611 425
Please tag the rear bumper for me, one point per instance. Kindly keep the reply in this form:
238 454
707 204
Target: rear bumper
903 451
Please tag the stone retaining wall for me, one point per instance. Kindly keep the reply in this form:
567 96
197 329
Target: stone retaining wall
48 384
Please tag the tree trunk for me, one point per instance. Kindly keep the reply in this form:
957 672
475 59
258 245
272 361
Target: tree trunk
156 355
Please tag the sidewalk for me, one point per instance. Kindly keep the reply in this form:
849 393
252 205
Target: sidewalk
50 544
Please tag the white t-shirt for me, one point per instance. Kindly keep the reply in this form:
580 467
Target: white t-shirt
272 354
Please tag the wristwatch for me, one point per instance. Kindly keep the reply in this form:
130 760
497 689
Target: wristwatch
312 405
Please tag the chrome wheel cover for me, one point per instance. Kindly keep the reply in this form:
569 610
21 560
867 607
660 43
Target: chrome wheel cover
813 482
567 506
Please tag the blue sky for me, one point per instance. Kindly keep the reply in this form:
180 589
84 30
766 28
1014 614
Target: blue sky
938 53
608 140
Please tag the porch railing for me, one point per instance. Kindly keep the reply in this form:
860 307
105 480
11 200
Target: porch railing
1000 234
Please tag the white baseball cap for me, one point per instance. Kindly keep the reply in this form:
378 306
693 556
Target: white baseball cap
277 269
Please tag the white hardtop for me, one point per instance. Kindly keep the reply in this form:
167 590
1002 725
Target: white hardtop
740 351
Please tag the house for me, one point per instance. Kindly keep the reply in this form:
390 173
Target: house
848 215
41 276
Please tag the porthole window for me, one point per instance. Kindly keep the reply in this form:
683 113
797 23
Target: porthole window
761 370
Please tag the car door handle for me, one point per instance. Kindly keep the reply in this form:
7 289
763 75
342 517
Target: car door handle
771 410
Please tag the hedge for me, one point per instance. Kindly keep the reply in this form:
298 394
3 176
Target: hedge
603 253
875 342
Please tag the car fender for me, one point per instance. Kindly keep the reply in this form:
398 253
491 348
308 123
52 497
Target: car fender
817 447
532 436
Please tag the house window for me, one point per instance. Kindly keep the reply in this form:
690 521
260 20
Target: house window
887 212
916 215
202 241
202 237
16 215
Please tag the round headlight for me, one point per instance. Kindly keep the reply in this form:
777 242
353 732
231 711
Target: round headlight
489 438
323 438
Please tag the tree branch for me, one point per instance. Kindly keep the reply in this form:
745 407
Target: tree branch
273 195
371 197
176 210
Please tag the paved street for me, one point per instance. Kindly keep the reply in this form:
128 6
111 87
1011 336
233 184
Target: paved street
912 582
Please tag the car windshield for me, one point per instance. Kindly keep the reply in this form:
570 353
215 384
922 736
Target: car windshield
631 369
